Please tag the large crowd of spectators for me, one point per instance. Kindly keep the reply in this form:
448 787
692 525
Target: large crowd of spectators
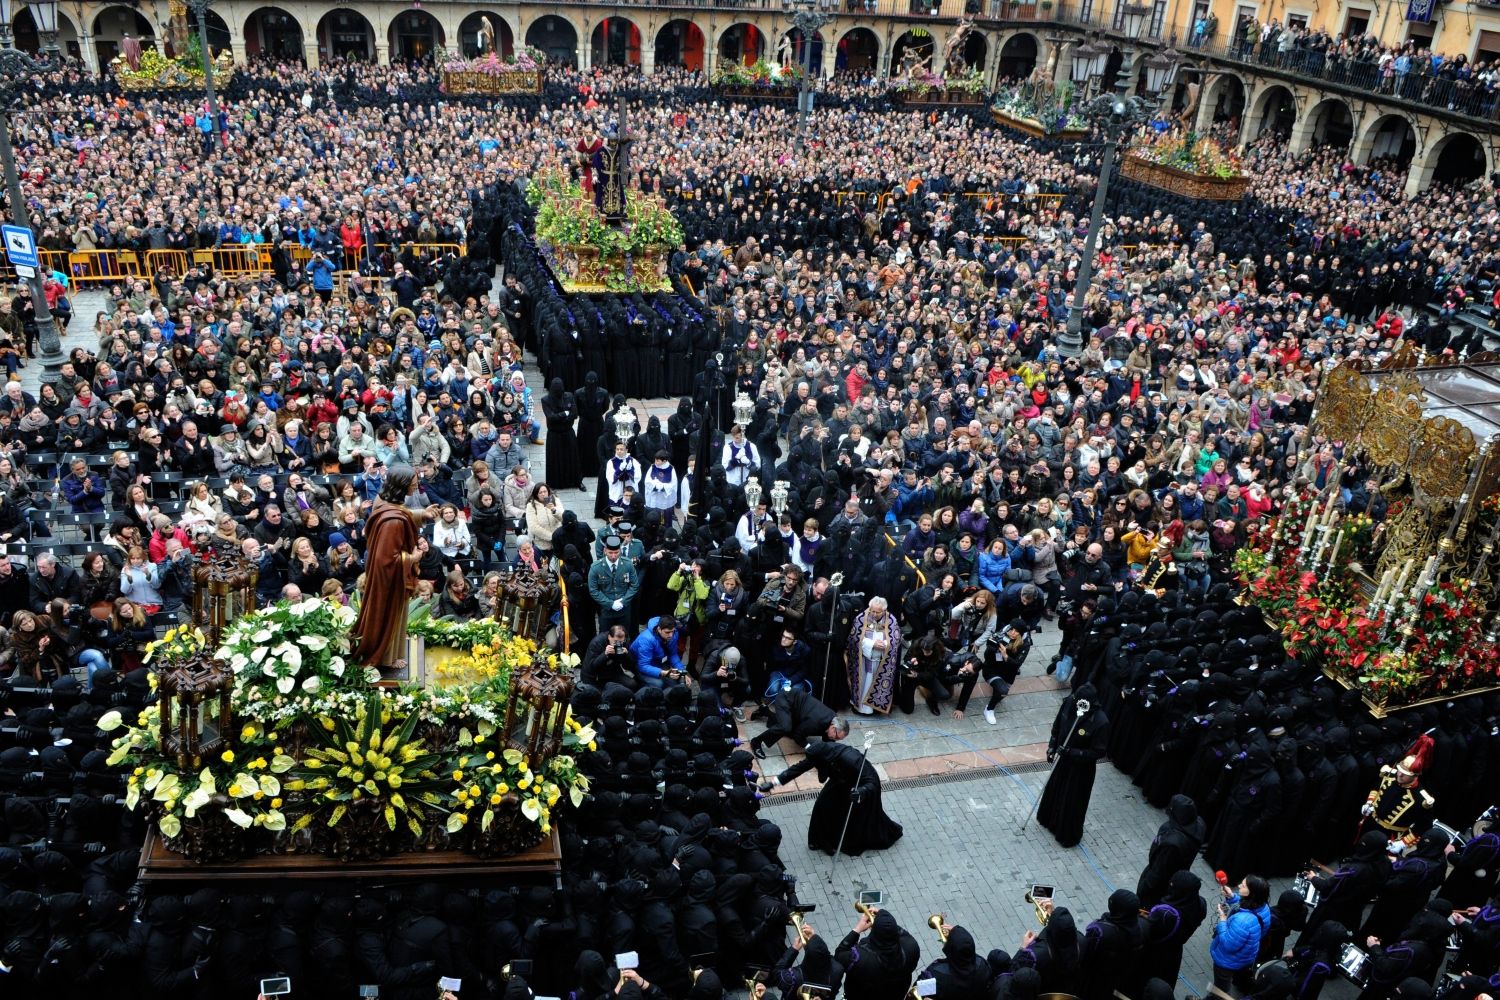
890 304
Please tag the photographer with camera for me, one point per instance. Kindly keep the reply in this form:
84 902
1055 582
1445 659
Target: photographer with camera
609 660
657 663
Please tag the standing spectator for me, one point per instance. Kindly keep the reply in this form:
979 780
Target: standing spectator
1244 915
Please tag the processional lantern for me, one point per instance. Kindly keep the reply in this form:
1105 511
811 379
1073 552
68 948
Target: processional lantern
223 592
195 708
536 713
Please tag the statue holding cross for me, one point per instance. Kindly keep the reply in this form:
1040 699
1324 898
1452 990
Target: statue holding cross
616 167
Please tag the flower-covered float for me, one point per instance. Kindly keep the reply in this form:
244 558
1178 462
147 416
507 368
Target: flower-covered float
275 744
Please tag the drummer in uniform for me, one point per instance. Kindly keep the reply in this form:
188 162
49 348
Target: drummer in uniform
1401 808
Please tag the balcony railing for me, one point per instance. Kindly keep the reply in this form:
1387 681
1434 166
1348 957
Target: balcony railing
1421 91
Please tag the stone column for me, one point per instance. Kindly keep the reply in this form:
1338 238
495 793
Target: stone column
830 52
89 53
310 50
382 52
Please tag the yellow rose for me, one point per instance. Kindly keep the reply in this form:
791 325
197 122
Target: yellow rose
495 799
227 756
490 755
275 803
458 776
502 788
474 792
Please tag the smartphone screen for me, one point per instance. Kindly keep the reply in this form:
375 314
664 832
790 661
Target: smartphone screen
872 897
1041 892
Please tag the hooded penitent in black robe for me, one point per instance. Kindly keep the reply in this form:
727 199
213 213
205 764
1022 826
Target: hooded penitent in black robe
1239 842
960 973
563 467
682 431
1065 800
1169 925
846 778
879 967
1174 848
593 405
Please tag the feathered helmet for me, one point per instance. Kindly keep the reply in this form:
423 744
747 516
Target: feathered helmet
1417 756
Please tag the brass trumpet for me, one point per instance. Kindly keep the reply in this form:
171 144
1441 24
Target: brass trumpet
936 921
802 931
1043 913
864 909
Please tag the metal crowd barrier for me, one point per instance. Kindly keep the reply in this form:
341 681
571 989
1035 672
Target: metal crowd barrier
102 267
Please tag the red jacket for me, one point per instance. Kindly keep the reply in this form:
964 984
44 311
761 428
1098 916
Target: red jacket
352 236
322 413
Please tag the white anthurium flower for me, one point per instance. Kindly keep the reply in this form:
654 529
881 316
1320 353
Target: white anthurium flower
270 784
336 666
275 821
238 662
372 674
264 635
313 642
244 786
239 818
270 668
110 721
206 781
132 797
289 654
531 809
286 685
307 607
193 801
259 654
312 685
169 825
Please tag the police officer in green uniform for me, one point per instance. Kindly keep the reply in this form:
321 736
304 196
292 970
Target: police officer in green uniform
613 583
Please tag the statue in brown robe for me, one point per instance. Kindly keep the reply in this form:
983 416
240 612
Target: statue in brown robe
390 572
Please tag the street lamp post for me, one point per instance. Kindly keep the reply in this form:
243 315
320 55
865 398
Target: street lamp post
200 12
16 70
807 19
1116 117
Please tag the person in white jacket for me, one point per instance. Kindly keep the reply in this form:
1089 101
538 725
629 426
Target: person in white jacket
659 488
739 458
450 534
621 471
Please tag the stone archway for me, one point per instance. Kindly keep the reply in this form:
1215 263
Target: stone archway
471 27
113 23
742 43
1274 109
1391 136
1330 123
413 36
555 37
976 51
681 42
273 33
858 52
914 46
1222 100
345 33
27 39
798 54
1018 56
1456 158
615 41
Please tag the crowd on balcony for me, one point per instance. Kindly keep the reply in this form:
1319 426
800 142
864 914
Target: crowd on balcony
892 303
1410 71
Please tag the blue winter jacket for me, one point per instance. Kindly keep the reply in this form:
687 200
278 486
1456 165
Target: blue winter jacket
1237 937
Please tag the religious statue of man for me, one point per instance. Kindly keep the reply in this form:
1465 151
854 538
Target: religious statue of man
130 48
590 150
391 561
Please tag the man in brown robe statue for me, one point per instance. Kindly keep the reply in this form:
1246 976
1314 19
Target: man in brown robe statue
390 572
